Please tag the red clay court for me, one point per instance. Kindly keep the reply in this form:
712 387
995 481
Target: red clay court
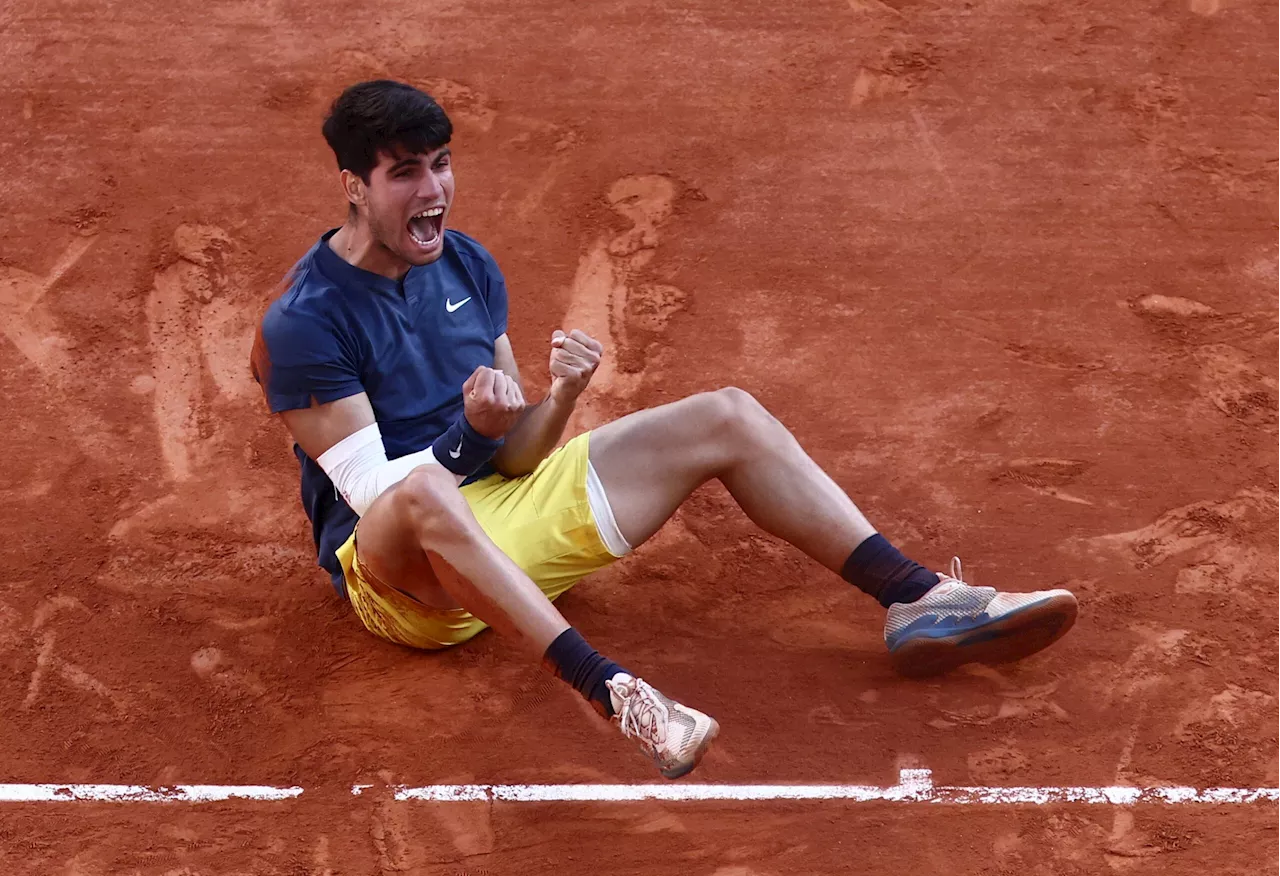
1008 271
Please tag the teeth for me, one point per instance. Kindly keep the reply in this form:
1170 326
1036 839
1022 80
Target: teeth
434 211
420 240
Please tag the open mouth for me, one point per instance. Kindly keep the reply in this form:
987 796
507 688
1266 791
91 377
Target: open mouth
425 227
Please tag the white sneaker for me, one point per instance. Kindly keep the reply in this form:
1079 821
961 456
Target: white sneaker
674 736
955 623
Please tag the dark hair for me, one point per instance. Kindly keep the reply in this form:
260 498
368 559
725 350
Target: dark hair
383 117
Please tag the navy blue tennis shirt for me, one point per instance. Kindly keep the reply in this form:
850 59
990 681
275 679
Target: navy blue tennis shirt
410 344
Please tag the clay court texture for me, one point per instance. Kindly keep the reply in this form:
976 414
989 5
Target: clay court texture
1007 270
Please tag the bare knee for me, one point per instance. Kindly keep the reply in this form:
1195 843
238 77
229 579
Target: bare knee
428 501
735 407
734 415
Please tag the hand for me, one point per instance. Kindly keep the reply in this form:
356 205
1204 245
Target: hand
492 402
574 358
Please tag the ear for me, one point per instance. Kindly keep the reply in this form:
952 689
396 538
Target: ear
354 188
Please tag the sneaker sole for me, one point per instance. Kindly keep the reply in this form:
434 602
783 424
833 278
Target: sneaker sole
1014 636
712 732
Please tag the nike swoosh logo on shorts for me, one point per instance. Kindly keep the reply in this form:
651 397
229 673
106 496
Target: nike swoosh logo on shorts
451 307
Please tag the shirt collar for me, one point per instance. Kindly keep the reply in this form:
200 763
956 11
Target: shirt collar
336 268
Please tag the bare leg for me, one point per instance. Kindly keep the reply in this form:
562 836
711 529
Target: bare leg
421 537
649 462
422 521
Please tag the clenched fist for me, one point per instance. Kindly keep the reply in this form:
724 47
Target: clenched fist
574 358
492 402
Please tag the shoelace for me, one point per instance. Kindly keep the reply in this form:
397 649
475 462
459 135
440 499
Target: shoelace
957 576
643 715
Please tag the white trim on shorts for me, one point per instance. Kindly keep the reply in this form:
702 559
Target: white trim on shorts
602 513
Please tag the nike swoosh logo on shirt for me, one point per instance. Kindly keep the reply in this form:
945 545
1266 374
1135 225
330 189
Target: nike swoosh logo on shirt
451 307
456 453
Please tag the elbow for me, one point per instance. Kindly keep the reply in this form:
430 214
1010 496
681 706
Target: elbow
513 465
513 471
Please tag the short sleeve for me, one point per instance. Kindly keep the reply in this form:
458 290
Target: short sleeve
298 356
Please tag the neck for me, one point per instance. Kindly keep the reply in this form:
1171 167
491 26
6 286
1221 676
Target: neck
355 243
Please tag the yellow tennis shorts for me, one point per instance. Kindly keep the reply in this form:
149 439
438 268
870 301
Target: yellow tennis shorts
542 521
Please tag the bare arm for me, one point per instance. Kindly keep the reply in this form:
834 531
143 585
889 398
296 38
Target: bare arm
488 405
319 427
343 437
539 430
299 360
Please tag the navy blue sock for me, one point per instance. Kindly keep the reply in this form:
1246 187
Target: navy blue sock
574 661
878 568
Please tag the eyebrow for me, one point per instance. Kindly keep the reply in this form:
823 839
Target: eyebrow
405 162
416 159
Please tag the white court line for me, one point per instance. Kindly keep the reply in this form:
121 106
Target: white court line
142 793
914 786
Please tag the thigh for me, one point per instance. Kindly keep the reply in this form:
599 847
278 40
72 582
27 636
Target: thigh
388 549
650 461
395 586
391 614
